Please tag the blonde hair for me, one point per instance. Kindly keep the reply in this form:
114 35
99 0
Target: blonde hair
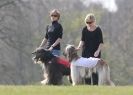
90 17
55 12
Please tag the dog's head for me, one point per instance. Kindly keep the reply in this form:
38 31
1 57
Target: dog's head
70 52
42 55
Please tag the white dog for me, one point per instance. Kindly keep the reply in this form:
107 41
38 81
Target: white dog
79 64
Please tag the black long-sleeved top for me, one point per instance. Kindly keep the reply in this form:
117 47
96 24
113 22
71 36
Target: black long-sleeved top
91 39
53 32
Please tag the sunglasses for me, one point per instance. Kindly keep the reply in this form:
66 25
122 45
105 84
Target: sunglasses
54 16
89 22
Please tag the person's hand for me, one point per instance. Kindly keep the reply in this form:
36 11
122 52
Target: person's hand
51 48
78 48
96 53
38 48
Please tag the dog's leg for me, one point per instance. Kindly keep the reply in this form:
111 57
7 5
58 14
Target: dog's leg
104 73
69 78
100 73
74 75
45 75
107 75
82 74
46 79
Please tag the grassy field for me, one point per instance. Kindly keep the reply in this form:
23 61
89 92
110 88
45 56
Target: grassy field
65 90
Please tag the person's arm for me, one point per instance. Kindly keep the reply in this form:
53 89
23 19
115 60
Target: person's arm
100 39
60 33
100 47
44 41
55 44
98 50
81 43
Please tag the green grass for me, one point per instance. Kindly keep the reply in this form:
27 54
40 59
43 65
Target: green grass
66 90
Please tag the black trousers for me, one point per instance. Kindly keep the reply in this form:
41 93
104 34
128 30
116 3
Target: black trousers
94 79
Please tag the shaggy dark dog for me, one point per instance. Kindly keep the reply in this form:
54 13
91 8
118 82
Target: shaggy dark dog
55 67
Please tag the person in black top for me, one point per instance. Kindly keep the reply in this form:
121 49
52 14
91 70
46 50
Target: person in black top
91 43
54 33
52 38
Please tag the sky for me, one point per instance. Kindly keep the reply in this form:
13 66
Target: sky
110 5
